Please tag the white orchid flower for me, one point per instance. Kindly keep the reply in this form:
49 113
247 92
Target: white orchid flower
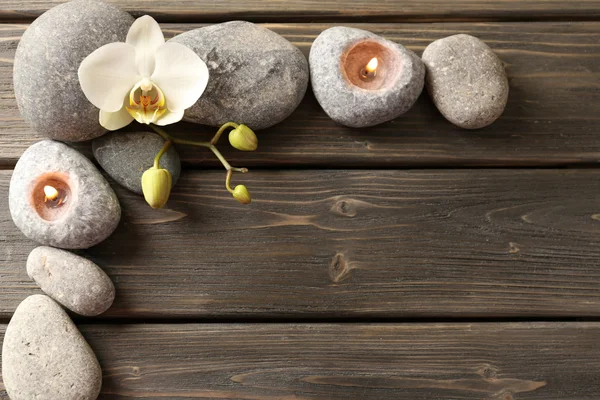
144 78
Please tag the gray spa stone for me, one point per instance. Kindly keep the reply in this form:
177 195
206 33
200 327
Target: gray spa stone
342 98
45 357
90 213
126 155
73 281
256 78
46 63
466 81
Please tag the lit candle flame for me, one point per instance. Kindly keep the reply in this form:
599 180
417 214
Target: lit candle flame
50 192
372 65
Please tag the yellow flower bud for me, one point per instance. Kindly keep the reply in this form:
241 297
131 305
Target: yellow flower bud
156 185
241 194
243 138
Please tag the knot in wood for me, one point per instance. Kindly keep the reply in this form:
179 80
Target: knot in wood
338 268
344 208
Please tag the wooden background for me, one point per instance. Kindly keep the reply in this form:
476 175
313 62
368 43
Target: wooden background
413 260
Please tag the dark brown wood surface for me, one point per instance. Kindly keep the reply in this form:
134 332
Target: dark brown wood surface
339 244
331 10
513 361
551 118
341 233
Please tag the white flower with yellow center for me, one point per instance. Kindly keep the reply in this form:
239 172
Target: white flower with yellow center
144 78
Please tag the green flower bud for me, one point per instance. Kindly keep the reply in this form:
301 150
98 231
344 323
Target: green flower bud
241 194
243 138
156 185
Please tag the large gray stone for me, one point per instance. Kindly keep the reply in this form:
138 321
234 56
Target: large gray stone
46 62
45 357
466 81
126 155
89 211
73 281
337 57
256 78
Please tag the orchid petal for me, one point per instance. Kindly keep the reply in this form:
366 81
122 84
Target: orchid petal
170 117
146 36
107 74
181 75
115 120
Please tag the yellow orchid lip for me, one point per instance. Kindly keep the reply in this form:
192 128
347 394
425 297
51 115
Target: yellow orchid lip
146 106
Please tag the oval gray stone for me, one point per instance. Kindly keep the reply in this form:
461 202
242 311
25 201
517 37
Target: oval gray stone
126 155
45 357
466 81
46 62
335 55
257 77
90 213
73 281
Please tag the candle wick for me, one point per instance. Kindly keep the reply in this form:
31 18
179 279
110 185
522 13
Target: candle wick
367 74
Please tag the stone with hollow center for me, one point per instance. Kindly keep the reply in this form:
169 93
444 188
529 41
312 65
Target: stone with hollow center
85 211
348 92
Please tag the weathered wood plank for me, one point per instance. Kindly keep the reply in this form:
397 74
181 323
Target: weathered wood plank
348 361
331 10
551 118
339 244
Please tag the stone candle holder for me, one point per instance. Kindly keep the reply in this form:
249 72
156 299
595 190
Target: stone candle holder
351 90
58 198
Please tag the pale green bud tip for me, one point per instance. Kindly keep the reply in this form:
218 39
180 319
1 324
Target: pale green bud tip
241 194
156 185
243 138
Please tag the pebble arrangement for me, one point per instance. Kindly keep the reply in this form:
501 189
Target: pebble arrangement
256 77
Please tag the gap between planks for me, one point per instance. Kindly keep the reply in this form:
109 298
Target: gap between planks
334 11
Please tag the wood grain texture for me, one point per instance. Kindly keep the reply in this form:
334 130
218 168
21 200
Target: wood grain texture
524 361
340 244
551 118
331 10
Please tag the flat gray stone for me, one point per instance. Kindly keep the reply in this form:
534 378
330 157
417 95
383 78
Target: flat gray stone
73 281
126 155
45 357
88 212
257 77
466 81
46 62
337 57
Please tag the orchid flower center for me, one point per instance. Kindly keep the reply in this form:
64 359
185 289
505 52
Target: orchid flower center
146 102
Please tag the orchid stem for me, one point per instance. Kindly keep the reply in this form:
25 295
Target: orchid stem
228 181
215 139
210 145
162 151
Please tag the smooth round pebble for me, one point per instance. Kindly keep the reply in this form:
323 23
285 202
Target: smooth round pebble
46 62
332 59
466 81
126 155
45 357
91 211
257 77
73 281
